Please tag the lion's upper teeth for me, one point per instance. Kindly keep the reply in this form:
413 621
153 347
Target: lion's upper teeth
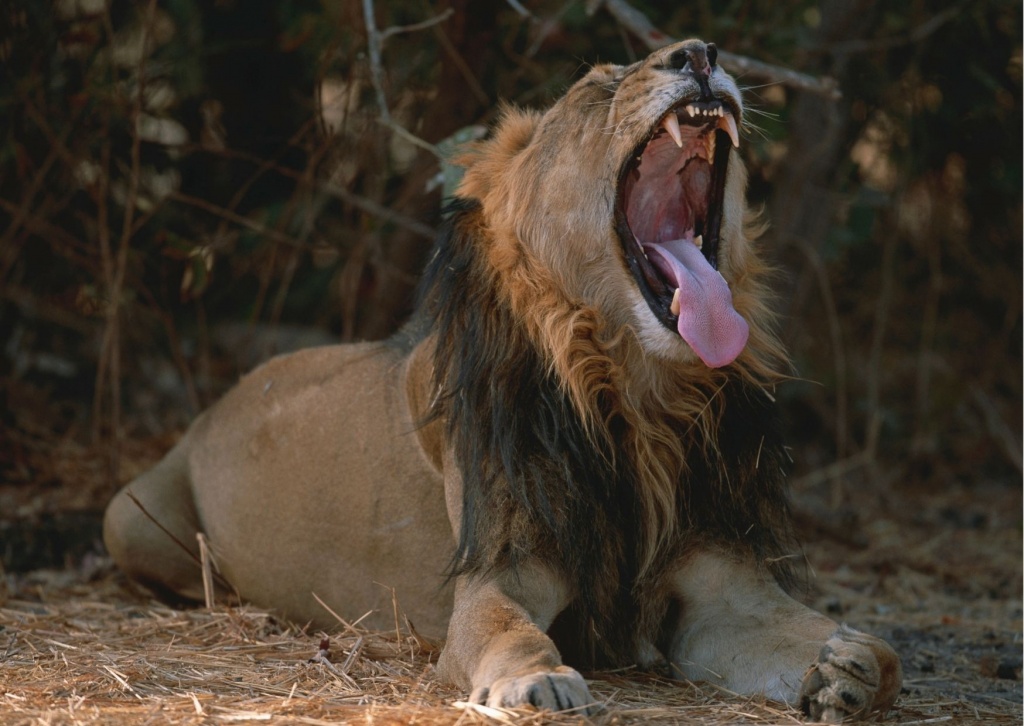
699 241
671 124
728 124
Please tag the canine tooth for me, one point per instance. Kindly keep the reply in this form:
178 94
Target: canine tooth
671 124
699 241
728 124
674 307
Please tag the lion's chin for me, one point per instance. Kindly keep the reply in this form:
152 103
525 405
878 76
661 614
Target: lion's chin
656 340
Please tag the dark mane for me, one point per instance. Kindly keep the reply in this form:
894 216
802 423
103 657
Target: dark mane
537 483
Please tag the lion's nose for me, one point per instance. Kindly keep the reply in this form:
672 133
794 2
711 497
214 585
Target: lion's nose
696 59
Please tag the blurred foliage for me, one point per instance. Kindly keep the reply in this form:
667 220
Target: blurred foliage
174 172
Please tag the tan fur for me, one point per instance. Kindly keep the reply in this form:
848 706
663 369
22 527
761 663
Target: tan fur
333 471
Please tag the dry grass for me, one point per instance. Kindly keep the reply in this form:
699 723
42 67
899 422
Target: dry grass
937 573
100 653
104 655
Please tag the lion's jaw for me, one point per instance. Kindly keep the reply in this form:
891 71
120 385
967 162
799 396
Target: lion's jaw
681 113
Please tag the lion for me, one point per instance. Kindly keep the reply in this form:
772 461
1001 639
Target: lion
568 459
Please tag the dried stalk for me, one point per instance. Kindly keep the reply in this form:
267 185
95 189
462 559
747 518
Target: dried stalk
363 204
374 45
108 372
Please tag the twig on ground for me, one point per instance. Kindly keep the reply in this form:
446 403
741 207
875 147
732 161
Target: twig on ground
352 655
205 559
323 654
346 624
174 538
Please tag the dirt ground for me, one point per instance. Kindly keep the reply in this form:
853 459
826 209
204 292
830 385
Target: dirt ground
936 572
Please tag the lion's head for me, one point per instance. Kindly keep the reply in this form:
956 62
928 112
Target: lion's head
629 190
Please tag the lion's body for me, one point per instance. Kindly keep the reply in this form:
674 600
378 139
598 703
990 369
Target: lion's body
348 525
578 449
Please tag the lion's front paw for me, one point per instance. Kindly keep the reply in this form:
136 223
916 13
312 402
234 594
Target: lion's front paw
562 689
856 675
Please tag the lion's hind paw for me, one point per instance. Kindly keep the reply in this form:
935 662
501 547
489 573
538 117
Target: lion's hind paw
562 689
855 675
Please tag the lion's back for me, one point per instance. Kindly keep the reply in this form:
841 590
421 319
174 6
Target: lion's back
333 425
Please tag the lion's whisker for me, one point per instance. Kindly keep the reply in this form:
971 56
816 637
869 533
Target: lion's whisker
762 112
752 127
744 89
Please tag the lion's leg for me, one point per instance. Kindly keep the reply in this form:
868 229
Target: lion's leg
739 629
155 555
497 648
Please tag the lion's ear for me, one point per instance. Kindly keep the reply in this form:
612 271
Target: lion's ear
486 160
605 73
609 74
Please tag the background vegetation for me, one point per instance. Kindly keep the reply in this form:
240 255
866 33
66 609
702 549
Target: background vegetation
186 187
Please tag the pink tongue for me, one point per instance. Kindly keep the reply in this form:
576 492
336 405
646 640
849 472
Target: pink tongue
707 320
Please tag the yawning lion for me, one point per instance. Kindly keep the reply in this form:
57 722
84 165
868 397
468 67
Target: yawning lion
572 442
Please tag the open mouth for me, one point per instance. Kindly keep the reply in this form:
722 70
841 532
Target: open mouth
669 217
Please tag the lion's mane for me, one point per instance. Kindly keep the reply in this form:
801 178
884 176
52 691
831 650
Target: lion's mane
576 449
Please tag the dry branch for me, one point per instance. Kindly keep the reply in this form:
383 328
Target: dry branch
375 44
638 24
363 204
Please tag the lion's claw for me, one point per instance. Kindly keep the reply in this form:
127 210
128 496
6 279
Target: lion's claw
560 690
855 675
